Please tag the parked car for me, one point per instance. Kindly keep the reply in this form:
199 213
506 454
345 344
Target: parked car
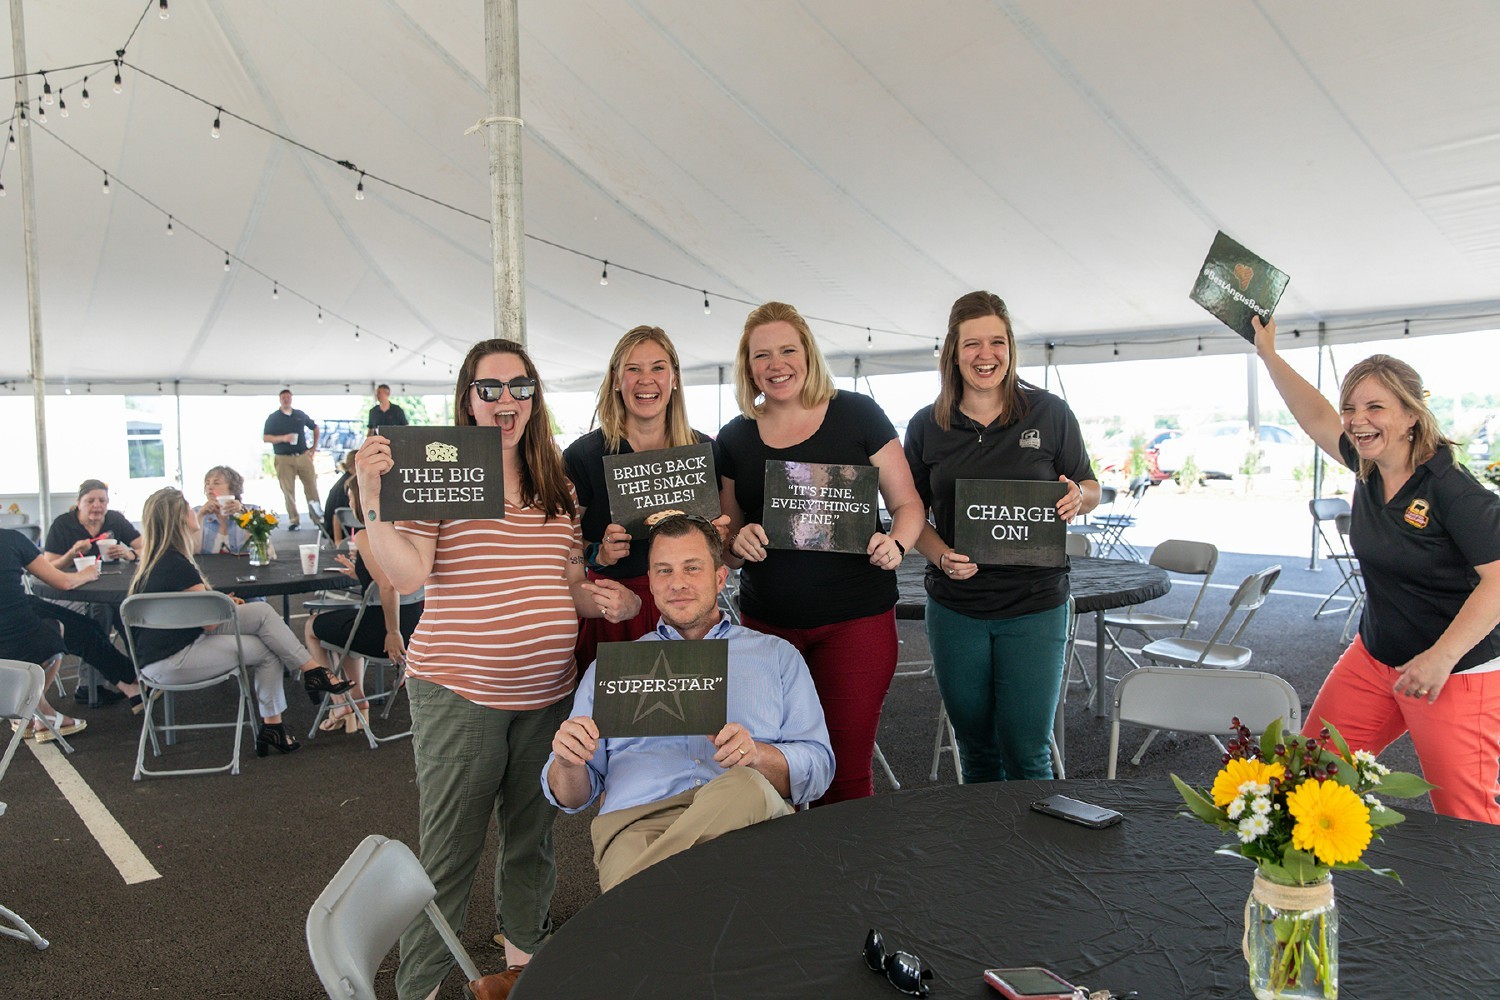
1120 464
1219 450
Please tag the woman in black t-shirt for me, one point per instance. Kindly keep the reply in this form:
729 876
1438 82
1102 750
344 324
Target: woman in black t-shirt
640 409
28 631
838 609
1427 534
998 634
102 531
171 536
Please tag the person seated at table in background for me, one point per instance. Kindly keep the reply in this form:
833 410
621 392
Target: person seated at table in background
28 627
1426 659
108 532
640 408
338 496
171 536
837 608
384 630
998 634
663 794
221 532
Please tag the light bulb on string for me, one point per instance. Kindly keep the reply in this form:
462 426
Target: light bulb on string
320 314
2 189
162 11
170 230
226 260
215 130
356 331
41 112
869 338
359 189
604 275
1406 328
936 349
12 130
46 91
86 92
106 182
1117 350
275 290
119 84
707 310
62 105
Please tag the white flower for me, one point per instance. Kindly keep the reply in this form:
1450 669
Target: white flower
1374 803
1261 805
1235 809
1252 827
1364 757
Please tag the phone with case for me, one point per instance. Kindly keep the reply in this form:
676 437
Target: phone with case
1074 811
1030 983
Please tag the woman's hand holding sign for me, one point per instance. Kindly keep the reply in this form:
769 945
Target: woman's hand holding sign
1071 504
956 566
615 601
885 552
614 546
372 461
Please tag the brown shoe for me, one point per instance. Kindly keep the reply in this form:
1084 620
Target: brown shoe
496 986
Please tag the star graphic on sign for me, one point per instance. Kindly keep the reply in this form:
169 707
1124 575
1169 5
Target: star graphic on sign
659 669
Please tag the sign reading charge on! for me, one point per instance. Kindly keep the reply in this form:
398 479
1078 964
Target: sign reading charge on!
677 688
1005 522
442 473
646 486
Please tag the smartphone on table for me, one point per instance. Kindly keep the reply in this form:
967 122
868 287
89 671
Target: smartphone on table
1030 983
1074 811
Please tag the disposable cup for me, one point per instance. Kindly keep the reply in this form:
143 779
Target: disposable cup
83 562
309 553
106 548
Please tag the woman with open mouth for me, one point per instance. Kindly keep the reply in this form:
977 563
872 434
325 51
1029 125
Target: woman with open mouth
1426 659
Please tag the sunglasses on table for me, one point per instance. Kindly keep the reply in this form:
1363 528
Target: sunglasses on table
904 970
489 389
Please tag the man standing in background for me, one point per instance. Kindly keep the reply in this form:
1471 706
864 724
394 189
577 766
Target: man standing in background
385 413
294 457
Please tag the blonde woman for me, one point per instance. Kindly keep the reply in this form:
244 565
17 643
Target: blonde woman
640 409
171 534
1426 659
838 609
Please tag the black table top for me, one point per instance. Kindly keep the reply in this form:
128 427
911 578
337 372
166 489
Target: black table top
1096 584
969 878
224 572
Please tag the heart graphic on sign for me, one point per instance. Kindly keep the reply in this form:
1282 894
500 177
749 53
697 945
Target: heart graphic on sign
1243 273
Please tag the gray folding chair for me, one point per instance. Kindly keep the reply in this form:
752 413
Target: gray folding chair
194 609
1091 526
1175 556
1121 518
1325 512
1195 700
355 922
1347 561
20 690
375 663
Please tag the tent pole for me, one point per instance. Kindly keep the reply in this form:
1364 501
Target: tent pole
503 132
181 470
33 267
1312 556
719 395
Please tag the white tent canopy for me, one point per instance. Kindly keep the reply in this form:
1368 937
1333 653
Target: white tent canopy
866 160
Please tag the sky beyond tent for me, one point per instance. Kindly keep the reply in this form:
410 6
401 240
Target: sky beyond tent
866 160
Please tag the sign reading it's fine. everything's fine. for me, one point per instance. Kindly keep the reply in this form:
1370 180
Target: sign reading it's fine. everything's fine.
442 473
824 508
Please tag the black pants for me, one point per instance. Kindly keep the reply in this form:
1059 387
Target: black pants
83 637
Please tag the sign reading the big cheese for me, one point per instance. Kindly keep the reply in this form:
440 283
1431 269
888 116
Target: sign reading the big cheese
442 473
676 688
646 486
1004 522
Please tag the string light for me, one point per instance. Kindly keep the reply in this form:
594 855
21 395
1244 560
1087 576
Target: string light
215 130
12 130
1200 345
1117 350
170 230
359 189
604 276
937 350
1406 328
163 13
2 189
41 112
356 331
275 290
106 182
62 105
707 310
86 92
46 91
320 314
869 338
226 260
25 122
119 84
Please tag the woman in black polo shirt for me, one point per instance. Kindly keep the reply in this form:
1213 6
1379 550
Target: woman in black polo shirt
998 633
837 608
1427 534
107 532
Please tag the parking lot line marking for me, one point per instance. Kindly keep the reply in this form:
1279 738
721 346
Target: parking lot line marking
1275 590
116 843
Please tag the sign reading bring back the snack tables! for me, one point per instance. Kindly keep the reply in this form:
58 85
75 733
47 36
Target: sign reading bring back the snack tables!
442 473
676 688
825 508
1003 522
649 485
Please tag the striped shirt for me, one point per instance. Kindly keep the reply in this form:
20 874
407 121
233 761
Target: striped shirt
499 624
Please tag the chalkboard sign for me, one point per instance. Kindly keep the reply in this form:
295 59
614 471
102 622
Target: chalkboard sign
1235 284
675 688
824 508
1004 522
442 473
646 486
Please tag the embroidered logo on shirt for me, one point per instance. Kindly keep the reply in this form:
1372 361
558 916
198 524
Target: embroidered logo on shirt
1031 439
1416 514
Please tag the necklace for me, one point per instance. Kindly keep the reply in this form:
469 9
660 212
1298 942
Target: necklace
978 427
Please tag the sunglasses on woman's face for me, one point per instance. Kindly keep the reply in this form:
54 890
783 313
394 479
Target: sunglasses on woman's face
904 970
489 389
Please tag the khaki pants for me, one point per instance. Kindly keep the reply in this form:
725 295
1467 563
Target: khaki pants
628 841
289 469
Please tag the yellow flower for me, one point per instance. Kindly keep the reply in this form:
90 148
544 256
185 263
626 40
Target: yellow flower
1238 771
1332 822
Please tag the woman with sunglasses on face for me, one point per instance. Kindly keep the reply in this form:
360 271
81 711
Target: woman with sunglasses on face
171 533
640 409
997 634
838 609
490 668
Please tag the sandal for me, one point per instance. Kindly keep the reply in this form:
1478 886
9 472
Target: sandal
62 725
337 719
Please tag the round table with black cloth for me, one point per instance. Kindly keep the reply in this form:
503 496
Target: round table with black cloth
226 573
968 877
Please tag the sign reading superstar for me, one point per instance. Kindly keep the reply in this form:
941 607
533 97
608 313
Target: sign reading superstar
999 522
677 688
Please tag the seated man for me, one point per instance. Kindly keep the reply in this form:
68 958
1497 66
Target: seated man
671 792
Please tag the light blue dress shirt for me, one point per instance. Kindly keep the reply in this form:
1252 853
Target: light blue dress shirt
770 693
210 525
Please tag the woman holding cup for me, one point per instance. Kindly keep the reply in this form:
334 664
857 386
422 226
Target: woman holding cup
221 532
105 533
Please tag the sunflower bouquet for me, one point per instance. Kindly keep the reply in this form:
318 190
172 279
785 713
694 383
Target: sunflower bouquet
257 525
1300 809
1491 473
